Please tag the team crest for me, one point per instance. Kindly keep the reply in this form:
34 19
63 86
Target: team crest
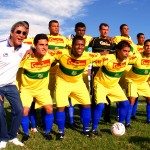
146 72
40 76
74 73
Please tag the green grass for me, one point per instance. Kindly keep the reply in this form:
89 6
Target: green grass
136 138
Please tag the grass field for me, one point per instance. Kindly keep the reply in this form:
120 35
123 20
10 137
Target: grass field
136 138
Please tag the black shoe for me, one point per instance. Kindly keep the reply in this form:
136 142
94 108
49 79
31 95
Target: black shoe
60 136
48 137
133 118
128 126
25 138
107 120
94 133
87 133
148 121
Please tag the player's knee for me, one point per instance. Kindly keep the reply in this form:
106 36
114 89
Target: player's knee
48 109
25 111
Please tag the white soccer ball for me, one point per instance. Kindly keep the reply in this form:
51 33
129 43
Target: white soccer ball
117 129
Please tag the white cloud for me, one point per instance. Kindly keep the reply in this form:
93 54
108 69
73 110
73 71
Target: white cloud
120 2
39 13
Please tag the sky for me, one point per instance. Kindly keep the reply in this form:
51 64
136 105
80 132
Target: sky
134 13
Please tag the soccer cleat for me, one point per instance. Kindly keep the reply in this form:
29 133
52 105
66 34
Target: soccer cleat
60 136
16 142
148 121
48 137
33 130
25 138
41 130
94 133
128 126
86 133
3 144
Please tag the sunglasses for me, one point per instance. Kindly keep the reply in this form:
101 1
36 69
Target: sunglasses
23 33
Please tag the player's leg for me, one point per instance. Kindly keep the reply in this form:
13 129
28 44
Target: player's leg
148 109
26 98
129 112
96 116
33 117
48 120
70 113
100 93
60 119
63 90
25 124
134 110
107 111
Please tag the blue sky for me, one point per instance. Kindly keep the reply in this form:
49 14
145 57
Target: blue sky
134 13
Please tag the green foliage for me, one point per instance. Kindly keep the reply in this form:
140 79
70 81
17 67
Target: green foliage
136 138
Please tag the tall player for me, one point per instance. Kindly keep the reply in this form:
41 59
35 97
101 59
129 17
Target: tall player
140 48
106 84
34 84
102 44
137 78
69 76
80 30
124 35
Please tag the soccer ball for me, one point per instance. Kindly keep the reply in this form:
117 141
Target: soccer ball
117 129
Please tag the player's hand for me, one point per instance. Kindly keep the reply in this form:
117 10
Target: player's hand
28 52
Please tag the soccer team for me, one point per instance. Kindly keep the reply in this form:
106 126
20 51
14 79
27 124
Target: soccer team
34 71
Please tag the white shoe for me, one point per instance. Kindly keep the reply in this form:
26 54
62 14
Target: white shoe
3 144
34 130
16 142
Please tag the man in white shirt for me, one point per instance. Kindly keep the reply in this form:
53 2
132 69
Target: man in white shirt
12 51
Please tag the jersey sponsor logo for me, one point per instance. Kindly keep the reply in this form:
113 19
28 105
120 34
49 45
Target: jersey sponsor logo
51 53
40 64
76 62
104 43
119 65
58 52
55 40
145 62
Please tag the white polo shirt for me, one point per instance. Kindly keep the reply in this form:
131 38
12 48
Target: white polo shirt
9 61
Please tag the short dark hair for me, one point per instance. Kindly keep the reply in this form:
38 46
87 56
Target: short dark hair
121 27
55 21
103 24
17 24
148 40
77 38
139 34
39 37
79 24
122 44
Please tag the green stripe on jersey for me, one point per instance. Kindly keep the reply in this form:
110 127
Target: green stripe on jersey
70 72
55 47
36 75
112 74
141 71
